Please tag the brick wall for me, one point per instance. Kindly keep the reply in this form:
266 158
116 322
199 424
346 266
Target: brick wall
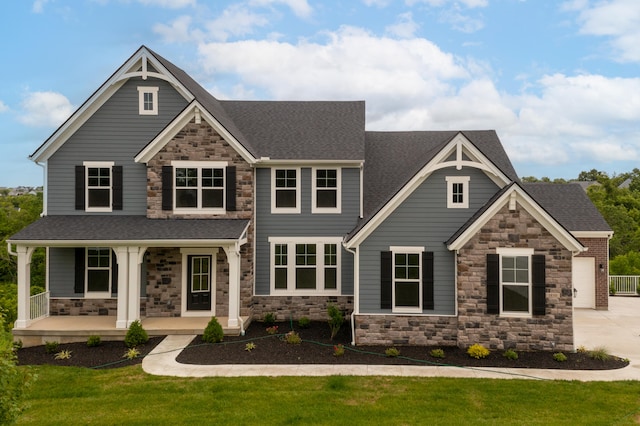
406 330
552 331
108 307
599 249
295 307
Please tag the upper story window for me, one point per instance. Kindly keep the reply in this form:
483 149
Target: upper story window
285 191
305 265
97 185
457 192
148 100
199 186
326 191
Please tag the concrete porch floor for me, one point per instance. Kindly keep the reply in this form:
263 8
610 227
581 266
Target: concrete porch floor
66 329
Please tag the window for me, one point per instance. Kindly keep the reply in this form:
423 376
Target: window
148 100
200 274
326 193
199 187
457 192
98 278
98 186
304 265
515 281
285 191
407 279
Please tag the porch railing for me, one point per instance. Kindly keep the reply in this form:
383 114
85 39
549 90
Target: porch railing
39 305
624 284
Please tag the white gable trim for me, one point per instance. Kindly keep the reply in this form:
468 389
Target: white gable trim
197 112
459 145
513 197
100 96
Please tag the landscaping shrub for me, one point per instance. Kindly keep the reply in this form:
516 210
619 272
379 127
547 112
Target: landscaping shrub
13 381
269 318
437 353
478 351
136 335
304 322
392 352
51 347
600 353
335 319
510 354
213 332
292 338
560 357
94 341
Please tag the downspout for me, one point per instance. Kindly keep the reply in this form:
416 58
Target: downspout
44 188
356 290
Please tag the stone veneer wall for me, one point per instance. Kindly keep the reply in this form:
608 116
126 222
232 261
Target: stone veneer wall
554 330
295 307
200 142
406 330
599 248
164 282
74 307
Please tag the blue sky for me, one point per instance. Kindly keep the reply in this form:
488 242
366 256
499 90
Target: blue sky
558 80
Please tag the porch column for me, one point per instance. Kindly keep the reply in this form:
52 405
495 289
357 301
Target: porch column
123 286
24 285
135 260
233 257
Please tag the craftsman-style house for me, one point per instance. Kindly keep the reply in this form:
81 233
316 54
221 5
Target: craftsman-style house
165 204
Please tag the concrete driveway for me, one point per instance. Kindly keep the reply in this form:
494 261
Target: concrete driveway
617 329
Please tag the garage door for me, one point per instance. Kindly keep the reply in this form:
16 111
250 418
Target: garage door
584 282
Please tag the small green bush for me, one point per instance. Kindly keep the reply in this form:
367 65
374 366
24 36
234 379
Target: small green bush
392 352
612 289
213 332
478 351
14 381
510 354
292 338
600 353
51 347
560 357
437 353
269 318
136 335
304 322
94 341
336 318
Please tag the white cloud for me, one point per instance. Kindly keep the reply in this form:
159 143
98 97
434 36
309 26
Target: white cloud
299 7
236 20
619 20
440 3
3 107
405 27
45 109
170 4
178 31
38 6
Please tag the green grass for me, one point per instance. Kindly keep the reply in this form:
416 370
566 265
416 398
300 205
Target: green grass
64 395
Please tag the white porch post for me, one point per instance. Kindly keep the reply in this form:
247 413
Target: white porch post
24 285
233 257
123 286
135 260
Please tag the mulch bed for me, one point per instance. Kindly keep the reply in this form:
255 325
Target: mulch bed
316 348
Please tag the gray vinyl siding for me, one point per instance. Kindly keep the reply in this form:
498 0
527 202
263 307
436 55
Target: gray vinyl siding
304 224
116 132
62 272
423 220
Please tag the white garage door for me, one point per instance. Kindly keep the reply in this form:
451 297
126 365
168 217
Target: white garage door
584 282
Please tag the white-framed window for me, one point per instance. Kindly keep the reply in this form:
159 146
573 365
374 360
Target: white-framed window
407 279
285 190
326 190
301 265
457 192
199 186
148 100
515 281
98 186
98 272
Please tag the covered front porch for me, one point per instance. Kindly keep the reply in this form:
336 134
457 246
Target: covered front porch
66 329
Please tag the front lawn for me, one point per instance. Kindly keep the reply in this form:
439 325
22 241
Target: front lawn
69 395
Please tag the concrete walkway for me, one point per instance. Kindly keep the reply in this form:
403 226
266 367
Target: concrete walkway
617 329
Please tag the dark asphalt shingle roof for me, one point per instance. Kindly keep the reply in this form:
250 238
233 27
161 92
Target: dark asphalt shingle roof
129 228
568 204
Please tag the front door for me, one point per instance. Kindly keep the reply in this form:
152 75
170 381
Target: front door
199 283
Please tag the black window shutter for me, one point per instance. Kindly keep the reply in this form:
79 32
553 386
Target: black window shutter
427 280
493 283
79 187
79 272
539 281
117 187
231 188
167 188
386 279
114 273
